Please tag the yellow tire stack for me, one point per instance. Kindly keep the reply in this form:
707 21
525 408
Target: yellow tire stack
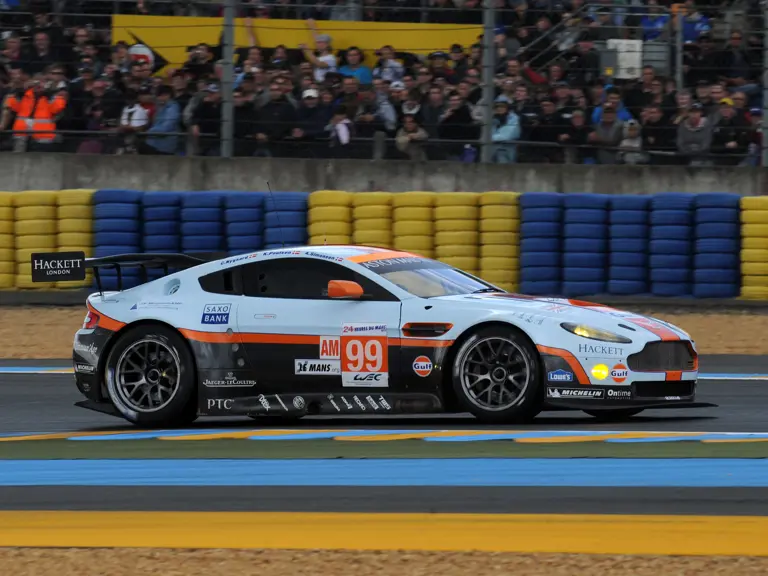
500 239
75 228
372 219
413 226
456 230
36 231
329 220
7 242
754 247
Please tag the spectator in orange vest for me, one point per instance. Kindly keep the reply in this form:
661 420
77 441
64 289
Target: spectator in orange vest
37 111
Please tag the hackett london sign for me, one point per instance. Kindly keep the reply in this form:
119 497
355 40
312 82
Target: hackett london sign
57 266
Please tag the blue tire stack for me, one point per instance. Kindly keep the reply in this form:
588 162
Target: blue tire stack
585 244
671 246
202 222
717 249
161 221
629 233
541 239
244 222
117 230
285 219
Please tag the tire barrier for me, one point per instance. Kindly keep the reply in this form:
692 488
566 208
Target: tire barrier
541 243
628 237
285 219
372 219
161 224
35 231
244 222
7 242
329 216
117 217
457 230
754 247
671 244
716 247
499 249
74 224
585 244
708 245
413 222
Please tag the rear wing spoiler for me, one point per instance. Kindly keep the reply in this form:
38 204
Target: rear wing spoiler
71 266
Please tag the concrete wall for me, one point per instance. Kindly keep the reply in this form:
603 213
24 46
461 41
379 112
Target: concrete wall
63 171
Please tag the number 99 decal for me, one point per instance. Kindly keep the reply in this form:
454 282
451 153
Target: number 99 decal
364 356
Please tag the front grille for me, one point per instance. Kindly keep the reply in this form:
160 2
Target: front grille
662 389
662 356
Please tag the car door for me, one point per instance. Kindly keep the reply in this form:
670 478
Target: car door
298 339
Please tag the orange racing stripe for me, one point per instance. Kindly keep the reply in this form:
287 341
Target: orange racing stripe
105 321
673 376
581 375
658 329
255 338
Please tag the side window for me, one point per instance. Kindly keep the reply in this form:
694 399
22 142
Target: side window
224 282
302 278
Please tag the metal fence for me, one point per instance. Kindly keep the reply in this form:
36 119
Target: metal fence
597 83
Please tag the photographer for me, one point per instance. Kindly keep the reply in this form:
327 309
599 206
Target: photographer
37 108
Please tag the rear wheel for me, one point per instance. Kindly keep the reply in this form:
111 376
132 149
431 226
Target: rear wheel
496 376
614 415
150 377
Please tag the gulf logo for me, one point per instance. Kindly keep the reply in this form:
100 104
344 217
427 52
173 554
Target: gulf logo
619 373
422 366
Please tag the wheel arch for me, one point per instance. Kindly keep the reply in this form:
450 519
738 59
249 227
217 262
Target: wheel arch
449 396
116 336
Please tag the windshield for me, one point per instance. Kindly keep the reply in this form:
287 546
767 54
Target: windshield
427 278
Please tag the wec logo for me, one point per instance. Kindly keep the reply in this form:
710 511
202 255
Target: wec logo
367 378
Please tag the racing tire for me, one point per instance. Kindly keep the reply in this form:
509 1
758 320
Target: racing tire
503 350
167 352
617 415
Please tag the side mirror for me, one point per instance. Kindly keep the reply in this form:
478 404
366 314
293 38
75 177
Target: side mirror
345 289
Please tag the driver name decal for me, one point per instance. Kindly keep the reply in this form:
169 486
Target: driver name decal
364 355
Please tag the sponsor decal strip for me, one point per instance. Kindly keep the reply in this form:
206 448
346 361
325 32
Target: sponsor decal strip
381 256
581 375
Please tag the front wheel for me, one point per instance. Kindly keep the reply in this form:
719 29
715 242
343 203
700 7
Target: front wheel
614 415
150 377
496 376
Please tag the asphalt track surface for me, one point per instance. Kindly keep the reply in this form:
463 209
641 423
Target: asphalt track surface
44 403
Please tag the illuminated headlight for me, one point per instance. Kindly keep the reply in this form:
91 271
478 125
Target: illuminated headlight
594 333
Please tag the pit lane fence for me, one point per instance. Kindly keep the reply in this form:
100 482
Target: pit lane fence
709 245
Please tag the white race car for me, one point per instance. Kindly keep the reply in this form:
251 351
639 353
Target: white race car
353 330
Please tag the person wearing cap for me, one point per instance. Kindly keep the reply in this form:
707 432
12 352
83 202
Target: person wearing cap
323 60
355 67
206 121
311 119
731 136
506 130
694 137
459 60
607 135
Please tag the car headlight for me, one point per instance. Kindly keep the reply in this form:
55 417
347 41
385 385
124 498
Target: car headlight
594 333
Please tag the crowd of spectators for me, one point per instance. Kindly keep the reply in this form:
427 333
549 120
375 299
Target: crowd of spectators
65 87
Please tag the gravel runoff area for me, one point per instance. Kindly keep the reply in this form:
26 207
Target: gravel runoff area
163 562
45 332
